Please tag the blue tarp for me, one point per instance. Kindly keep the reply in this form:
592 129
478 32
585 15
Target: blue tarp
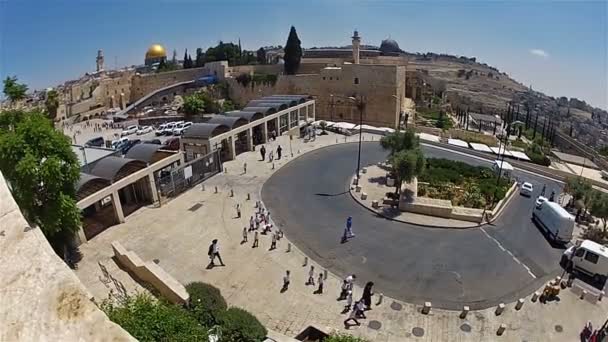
206 80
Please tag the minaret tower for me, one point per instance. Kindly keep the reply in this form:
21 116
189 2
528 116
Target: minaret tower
356 47
99 60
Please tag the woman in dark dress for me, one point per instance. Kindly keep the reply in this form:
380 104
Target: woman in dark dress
367 295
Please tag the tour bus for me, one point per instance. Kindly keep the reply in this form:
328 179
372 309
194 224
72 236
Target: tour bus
588 257
554 219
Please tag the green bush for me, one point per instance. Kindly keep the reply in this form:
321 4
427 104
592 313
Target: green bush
337 337
239 325
206 303
148 319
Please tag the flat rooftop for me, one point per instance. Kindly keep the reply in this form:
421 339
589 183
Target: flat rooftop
574 159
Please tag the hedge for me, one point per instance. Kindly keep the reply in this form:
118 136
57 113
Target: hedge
337 337
206 303
239 325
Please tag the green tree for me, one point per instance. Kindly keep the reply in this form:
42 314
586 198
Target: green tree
206 303
293 53
579 188
599 206
399 141
193 105
406 164
52 103
261 56
338 337
42 170
604 151
200 58
13 90
228 106
239 325
148 319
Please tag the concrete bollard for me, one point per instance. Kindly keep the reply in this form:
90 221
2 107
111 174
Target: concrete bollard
364 170
426 309
363 196
273 166
248 196
358 188
336 140
380 298
288 247
225 169
600 296
231 193
583 294
501 329
298 151
256 204
499 309
375 204
465 312
216 189
203 187
535 296
325 274
305 261
355 181
520 304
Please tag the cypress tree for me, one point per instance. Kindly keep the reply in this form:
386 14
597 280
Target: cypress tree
185 62
293 52
535 125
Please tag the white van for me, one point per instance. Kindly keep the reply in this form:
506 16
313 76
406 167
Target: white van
588 257
555 220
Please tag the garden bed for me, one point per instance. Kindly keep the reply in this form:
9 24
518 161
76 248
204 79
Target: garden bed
464 185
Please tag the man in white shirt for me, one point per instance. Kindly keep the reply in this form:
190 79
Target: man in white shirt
214 252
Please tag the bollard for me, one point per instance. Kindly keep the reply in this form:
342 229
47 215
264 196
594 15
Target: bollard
273 166
305 261
248 196
465 312
336 140
288 247
499 309
501 329
256 204
364 170
583 294
298 151
231 193
225 169
520 303
355 181
535 296
363 196
203 187
600 296
426 309
325 274
380 298
216 189
358 188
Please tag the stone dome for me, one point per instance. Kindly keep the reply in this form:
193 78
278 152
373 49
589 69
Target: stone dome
389 46
156 51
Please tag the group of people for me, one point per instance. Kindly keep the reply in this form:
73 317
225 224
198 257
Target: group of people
271 153
261 218
358 309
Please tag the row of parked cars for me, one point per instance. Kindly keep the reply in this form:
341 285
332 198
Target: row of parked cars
173 128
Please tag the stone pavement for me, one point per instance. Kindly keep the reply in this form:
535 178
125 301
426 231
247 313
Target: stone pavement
178 234
373 183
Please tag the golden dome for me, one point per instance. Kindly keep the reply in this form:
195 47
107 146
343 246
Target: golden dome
156 51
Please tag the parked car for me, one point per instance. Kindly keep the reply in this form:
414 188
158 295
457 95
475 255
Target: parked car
160 129
118 142
99 142
526 189
152 141
588 257
555 220
169 128
171 144
129 130
540 200
144 130
181 128
128 145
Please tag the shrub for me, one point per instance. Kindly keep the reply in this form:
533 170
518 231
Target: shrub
148 319
338 337
206 303
239 325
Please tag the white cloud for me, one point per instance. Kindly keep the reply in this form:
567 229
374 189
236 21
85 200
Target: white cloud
539 53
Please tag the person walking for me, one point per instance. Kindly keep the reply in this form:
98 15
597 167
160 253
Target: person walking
366 298
349 227
349 300
320 288
263 152
273 244
286 281
279 149
352 317
214 252
360 308
256 239
270 156
542 192
343 290
311 276
238 211
244 235
251 223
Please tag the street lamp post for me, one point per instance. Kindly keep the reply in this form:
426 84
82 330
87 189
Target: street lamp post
360 105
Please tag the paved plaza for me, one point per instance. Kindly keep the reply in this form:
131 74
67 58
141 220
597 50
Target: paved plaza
176 236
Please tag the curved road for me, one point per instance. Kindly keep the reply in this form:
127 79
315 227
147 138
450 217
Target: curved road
479 267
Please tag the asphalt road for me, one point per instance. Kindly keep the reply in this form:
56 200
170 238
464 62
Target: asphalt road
479 267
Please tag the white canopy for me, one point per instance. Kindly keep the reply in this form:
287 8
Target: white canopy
429 137
458 142
481 147
344 125
519 155
505 166
501 150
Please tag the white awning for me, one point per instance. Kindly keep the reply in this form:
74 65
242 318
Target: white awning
458 142
344 125
429 137
500 151
481 147
519 155
505 166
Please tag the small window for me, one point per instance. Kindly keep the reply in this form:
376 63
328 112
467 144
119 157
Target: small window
323 78
331 78
591 257
579 252
356 80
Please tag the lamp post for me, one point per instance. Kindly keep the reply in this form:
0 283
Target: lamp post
361 105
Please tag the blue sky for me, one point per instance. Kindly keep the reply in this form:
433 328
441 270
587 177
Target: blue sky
559 48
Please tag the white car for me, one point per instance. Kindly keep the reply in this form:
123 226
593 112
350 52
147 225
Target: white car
160 129
181 128
526 189
129 130
169 128
540 200
119 142
144 130
589 257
